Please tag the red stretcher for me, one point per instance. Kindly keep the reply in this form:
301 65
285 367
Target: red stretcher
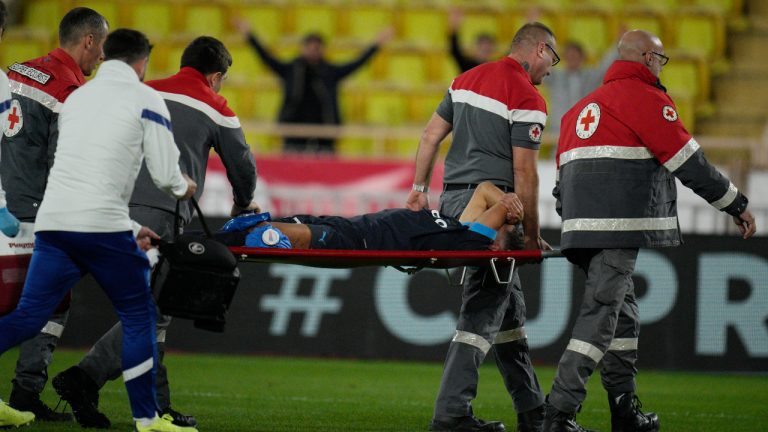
405 261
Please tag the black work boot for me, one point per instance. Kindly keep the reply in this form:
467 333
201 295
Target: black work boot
25 400
180 419
531 421
465 424
78 389
558 421
627 417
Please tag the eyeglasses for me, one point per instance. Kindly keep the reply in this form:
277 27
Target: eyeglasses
663 59
555 58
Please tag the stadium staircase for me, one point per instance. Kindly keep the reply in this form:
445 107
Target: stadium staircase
741 95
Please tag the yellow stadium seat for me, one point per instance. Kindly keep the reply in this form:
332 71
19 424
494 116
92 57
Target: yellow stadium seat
262 143
266 20
421 105
403 148
406 67
385 108
44 14
354 147
237 99
19 46
109 9
645 19
363 22
266 103
591 28
203 18
701 31
307 18
445 69
155 18
664 5
425 27
246 64
686 111
352 102
728 7
480 22
682 76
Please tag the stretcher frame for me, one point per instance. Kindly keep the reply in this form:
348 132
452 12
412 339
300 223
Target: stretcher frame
402 260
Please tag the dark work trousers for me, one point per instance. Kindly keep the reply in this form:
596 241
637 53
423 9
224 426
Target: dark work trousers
492 315
102 362
36 354
606 330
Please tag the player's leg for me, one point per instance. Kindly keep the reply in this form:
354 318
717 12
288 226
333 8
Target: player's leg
514 362
31 375
619 371
51 275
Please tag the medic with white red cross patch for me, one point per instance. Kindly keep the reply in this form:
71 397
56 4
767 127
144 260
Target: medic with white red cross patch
620 150
39 87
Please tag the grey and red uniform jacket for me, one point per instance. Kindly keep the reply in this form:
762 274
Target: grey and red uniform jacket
619 152
39 87
493 108
201 120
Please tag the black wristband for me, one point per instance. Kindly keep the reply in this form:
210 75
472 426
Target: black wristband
738 206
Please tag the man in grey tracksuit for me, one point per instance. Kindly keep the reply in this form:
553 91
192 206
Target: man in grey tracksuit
201 121
497 116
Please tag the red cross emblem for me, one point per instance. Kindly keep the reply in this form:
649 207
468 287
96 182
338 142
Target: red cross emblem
669 113
534 133
588 120
15 119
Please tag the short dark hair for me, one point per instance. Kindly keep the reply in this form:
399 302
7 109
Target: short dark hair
532 32
127 45
485 37
207 55
3 15
79 22
576 46
313 37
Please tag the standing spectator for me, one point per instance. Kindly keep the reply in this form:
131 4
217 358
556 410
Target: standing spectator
106 129
621 148
485 44
497 116
311 85
9 225
201 121
569 84
39 89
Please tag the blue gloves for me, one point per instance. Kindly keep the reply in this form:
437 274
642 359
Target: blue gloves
9 225
244 221
267 236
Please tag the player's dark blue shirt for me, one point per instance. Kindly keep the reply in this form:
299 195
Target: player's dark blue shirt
393 229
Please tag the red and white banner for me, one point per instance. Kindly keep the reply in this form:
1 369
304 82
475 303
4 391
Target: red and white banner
317 185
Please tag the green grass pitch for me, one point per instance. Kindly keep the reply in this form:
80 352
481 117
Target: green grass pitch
272 394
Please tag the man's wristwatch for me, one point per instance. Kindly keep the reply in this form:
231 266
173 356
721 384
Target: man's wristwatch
420 188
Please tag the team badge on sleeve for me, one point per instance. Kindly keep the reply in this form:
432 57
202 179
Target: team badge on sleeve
534 132
669 113
15 119
586 123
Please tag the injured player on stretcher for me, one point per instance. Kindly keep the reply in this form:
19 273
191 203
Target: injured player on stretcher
488 222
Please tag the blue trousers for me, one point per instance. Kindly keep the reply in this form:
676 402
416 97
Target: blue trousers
60 259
